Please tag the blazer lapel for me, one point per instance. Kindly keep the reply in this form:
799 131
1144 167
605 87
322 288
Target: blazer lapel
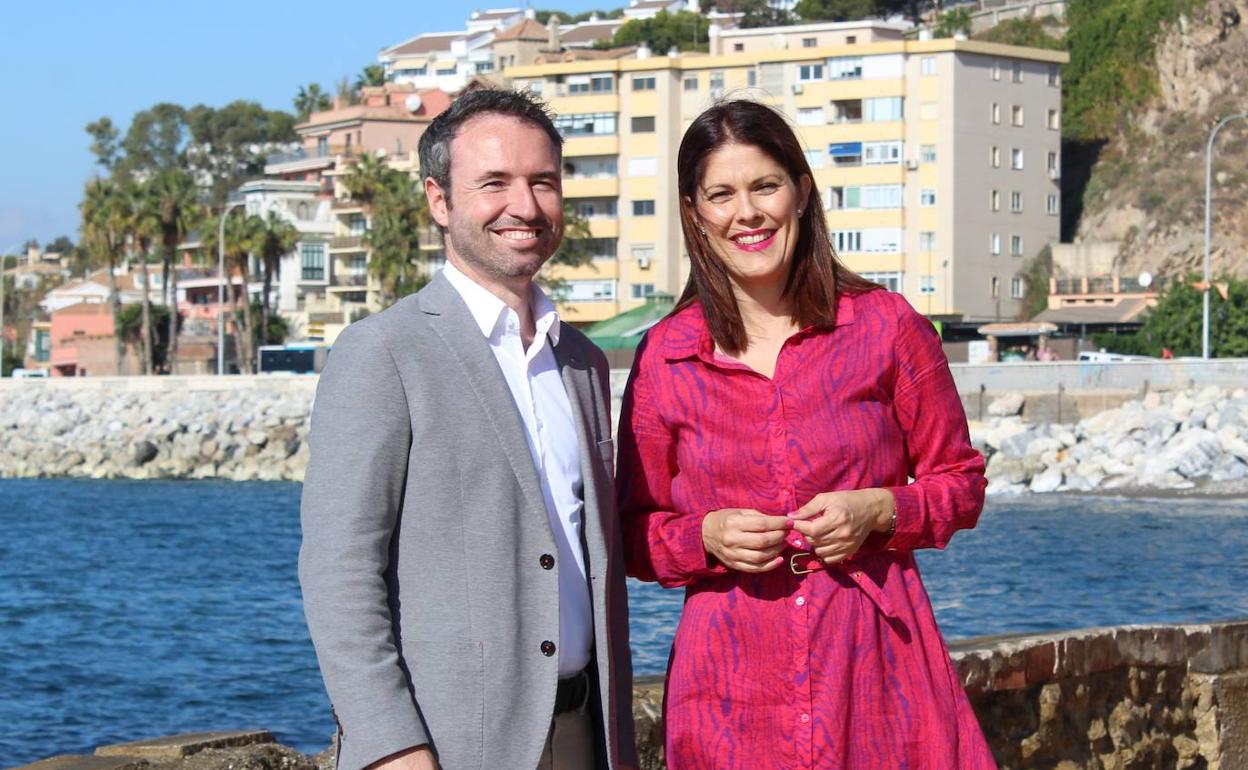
578 381
459 332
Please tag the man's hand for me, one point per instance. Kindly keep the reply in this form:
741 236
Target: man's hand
836 523
415 758
744 539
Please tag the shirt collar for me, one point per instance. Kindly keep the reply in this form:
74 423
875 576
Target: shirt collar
685 334
489 311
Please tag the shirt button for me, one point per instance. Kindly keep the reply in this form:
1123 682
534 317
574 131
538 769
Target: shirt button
548 648
804 718
547 561
801 601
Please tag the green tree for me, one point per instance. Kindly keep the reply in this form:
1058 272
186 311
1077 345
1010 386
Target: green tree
1176 322
954 22
1036 274
104 142
229 144
371 76
242 234
1030 33
272 331
682 30
130 331
179 212
275 239
144 229
834 10
104 228
311 98
397 214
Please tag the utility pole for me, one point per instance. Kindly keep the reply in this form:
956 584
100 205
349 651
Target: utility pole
1204 327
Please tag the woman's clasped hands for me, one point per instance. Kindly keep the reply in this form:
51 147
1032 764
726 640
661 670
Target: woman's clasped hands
832 524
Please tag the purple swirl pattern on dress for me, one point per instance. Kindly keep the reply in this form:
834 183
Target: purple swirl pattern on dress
843 668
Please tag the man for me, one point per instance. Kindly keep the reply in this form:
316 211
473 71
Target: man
461 564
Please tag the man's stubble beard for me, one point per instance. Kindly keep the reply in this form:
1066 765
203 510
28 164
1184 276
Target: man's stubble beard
474 245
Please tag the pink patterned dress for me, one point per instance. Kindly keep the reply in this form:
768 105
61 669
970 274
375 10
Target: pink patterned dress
842 668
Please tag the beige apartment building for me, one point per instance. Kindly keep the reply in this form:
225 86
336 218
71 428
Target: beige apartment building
936 160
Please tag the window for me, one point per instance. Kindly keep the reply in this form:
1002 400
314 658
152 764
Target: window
1055 78
890 280
642 290
1016 287
717 80
1052 164
738 47
995 200
485 66
1016 202
691 82
643 82
1016 245
322 146
927 284
996 69
846 153
809 72
845 68
595 290
312 261
595 84
815 158
1016 115
994 156
847 111
600 248
356 224
643 125
995 245
643 208
881 196
810 116
1051 205
996 113
587 124
643 166
927 241
927 65
751 76
357 265
875 153
851 39
841 198
1017 74
996 287
844 241
1016 159
927 197
601 207
810 42
883 108
927 153
1054 122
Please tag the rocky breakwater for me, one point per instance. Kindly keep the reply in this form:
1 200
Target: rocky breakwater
1183 440
241 433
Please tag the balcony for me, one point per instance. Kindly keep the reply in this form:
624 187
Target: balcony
347 243
349 282
591 186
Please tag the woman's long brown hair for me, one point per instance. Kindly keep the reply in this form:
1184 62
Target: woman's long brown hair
816 276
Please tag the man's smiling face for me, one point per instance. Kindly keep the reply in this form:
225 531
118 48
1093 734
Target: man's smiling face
504 212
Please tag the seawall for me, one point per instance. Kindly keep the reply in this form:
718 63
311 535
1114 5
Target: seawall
1172 696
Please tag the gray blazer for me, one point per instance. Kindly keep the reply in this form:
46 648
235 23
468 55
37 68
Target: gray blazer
423 530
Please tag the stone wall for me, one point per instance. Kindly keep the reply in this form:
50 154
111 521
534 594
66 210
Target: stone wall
1101 698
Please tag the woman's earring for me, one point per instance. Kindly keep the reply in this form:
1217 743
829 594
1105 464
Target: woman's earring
702 230
799 213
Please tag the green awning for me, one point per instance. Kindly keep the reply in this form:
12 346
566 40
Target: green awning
624 331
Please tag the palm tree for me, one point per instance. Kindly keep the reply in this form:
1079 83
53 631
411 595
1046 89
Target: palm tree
310 99
398 215
241 240
104 218
371 75
276 239
176 198
143 226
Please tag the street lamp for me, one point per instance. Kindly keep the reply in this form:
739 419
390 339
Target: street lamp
221 287
1204 329
4 257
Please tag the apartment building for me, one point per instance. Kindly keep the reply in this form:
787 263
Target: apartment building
936 160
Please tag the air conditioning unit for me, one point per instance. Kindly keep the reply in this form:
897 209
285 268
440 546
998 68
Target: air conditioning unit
643 263
912 165
717 93
1055 174
797 88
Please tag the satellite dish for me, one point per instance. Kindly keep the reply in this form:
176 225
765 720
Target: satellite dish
1145 280
413 103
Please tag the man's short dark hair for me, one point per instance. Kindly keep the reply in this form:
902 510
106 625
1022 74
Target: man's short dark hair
435 143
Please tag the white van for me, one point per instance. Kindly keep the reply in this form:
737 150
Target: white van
23 374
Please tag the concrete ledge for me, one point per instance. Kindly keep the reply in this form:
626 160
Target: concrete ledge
178 746
80 762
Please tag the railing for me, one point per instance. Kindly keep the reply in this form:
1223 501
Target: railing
351 280
347 242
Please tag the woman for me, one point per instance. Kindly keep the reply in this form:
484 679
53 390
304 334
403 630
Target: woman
768 433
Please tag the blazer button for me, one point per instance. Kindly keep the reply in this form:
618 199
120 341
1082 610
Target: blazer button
548 648
547 561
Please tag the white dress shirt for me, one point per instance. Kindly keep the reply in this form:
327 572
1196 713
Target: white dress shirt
537 388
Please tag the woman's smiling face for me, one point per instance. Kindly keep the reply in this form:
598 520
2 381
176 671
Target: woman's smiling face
749 207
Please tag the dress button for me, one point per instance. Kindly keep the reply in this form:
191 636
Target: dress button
548 648
547 561
805 718
801 601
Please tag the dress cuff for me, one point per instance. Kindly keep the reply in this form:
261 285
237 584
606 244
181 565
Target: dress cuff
908 503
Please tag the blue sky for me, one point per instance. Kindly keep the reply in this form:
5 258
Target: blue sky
65 63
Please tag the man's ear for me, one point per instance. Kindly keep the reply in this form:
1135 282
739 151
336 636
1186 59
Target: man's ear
438 202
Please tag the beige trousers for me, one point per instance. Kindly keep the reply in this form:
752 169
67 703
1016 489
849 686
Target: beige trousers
570 742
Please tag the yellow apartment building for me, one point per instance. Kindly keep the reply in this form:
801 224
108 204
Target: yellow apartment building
937 161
